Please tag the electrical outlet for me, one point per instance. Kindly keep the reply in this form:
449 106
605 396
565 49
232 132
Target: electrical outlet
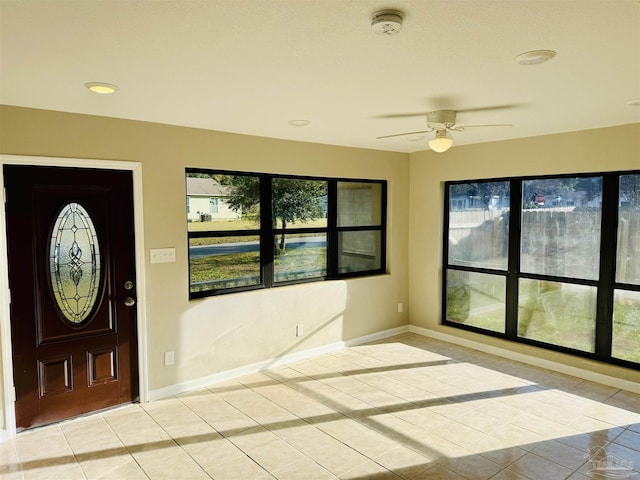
400 307
169 358
299 330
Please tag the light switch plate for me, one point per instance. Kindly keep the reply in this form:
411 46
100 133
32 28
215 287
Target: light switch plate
163 255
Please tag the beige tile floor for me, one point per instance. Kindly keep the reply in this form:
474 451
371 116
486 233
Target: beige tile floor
407 407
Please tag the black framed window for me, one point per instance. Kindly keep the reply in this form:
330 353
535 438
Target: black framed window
626 295
360 214
477 251
224 246
299 213
271 230
551 261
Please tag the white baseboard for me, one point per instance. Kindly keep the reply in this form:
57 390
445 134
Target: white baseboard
332 347
240 371
212 379
530 360
377 336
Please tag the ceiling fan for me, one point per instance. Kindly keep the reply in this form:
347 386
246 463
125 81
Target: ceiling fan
442 122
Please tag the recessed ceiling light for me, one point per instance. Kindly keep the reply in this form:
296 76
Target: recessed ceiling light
634 103
299 123
535 57
101 88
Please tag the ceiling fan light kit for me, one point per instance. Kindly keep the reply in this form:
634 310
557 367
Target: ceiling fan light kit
442 142
387 22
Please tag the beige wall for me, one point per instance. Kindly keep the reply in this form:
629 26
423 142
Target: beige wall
605 149
217 334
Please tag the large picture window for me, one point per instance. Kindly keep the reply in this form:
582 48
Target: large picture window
270 230
552 261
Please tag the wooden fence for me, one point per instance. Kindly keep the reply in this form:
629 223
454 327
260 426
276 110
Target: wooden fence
559 242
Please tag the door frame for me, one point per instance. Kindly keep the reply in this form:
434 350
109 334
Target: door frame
8 391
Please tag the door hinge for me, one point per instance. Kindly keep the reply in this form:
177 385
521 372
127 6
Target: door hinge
13 394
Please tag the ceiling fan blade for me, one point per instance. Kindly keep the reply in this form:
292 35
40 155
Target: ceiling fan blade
489 108
494 125
445 103
402 115
464 110
406 133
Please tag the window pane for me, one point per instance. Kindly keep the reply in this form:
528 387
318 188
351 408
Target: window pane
299 203
628 256
561 227
557 313
359 204
222 202
305 257
476 299
75 263
626 326
359 251
223 262
479 224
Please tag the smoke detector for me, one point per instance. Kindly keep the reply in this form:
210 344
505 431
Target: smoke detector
387 22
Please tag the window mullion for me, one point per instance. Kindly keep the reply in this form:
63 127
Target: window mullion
513 269
332 229
383 223
609 230
266 230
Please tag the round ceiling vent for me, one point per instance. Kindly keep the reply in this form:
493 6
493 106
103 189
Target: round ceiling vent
535 57
387 22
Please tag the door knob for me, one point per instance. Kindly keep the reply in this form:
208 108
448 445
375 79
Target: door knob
129 302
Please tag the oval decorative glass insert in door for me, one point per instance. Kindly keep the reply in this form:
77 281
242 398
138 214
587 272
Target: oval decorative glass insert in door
74 263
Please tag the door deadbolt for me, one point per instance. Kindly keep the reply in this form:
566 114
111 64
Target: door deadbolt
128 285
129 302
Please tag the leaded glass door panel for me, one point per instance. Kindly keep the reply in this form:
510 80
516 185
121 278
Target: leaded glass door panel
71 274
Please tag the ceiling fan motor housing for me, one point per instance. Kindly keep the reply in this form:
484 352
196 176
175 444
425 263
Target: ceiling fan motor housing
441 119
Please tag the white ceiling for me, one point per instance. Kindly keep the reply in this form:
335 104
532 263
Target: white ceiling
249 66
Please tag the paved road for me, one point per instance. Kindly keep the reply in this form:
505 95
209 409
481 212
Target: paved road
243 247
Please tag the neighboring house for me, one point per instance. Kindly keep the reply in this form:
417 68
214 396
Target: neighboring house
207 200
565 200
576 199
465 202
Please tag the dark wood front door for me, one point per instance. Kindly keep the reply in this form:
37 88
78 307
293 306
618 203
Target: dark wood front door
70 241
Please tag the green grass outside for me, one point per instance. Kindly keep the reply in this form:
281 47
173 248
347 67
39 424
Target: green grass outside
302 260
472 301
626 331
245 223
219 267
